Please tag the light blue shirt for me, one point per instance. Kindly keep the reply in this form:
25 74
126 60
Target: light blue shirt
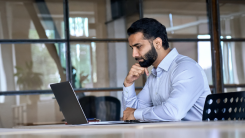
176 90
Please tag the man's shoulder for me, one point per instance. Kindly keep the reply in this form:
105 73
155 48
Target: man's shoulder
182 62
181 59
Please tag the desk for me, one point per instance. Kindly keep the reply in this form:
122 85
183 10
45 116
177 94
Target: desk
218 129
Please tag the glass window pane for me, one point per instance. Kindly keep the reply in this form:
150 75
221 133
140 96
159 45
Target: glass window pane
26 110
31 66
31 20
233 62
198 51
234 89
232 18
97 65
101 18
182 19
29 110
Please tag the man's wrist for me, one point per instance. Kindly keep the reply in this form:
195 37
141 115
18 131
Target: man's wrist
129 91
132 114
127 84
138 114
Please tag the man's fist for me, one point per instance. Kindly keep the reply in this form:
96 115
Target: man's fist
128 114
135 72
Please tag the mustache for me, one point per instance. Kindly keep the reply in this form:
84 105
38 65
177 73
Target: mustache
139 58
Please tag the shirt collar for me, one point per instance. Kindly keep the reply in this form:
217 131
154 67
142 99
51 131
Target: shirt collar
166 62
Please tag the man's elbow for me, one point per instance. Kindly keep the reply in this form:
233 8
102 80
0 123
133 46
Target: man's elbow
175 118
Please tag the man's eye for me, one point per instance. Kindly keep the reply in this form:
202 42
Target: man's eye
138 47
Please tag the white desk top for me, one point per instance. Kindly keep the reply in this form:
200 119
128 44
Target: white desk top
222 129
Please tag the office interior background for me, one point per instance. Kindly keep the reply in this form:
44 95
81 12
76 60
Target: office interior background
85 41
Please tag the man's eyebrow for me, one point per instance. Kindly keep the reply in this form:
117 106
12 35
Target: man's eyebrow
135 44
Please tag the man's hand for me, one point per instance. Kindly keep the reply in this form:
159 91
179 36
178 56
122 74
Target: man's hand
128 114
135 72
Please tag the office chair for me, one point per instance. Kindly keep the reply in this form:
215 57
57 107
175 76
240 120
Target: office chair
108 108
88 105
224 106
105 108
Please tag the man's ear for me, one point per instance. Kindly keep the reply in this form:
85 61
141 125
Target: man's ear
157 43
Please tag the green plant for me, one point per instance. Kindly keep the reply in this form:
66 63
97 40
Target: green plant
27 79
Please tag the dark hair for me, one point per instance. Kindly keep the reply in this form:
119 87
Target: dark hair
151 29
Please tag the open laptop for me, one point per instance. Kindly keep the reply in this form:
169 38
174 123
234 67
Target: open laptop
71 107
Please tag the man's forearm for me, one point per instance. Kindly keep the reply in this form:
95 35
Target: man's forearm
129 97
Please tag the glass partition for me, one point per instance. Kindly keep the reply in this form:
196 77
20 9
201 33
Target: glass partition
31 20
237 89
101 18
232 18
233 62
182 19
103 64
29 110
31 66
98 65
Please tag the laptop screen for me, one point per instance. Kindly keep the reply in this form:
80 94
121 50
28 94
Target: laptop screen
68 103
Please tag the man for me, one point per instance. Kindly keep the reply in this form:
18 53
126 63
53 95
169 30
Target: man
177 86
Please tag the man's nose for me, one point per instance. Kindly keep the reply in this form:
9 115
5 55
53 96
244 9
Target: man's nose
135 53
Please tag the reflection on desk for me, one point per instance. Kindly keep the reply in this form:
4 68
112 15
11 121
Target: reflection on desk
222 129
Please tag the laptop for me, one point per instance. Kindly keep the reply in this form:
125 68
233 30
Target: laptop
71 107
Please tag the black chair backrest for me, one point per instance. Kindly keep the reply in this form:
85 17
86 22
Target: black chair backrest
88 105
225 106
106 108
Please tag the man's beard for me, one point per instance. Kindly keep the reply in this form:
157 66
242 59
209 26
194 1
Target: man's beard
149 58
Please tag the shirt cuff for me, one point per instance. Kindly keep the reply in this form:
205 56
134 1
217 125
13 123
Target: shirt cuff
129 91
138 114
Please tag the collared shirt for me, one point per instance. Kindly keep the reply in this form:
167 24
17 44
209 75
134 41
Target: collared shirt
176 90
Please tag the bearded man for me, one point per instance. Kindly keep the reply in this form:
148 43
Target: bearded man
177 87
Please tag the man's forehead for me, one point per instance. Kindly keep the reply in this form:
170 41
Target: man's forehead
136 38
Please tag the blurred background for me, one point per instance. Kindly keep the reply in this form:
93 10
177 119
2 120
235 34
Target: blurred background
85 41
